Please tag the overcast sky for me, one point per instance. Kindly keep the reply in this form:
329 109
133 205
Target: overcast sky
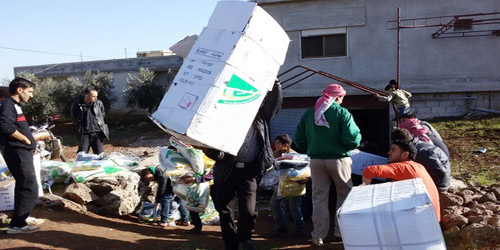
97 30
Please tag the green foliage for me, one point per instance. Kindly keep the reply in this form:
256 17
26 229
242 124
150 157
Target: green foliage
67 92
51 97
42 104
143 91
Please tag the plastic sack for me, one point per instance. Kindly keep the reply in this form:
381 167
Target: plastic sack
208 162
269 180
195 196
147 212
174 164
82 156
56 171
123 160
193 155
84 176
294 156
92 165
292 160
210 216
5 174
288 186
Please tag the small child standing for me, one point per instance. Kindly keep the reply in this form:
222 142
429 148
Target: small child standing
164 195
398 96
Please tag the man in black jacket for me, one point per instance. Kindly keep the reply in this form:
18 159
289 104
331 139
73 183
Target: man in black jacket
236 175
431 157
88 115
18 144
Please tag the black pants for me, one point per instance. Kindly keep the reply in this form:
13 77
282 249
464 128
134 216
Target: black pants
195 217
20 163
241 182
93 140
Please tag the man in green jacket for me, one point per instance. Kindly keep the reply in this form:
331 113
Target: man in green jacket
327 132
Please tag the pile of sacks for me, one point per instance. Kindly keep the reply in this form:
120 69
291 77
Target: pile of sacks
105 185
179 160
471 215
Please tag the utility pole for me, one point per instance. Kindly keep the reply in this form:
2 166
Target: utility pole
125 53
81 56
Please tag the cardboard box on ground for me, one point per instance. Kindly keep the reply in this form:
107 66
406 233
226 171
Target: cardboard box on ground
7 187
225 77
395 215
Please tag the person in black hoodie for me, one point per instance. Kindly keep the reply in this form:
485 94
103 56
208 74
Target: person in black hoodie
17 145
236 175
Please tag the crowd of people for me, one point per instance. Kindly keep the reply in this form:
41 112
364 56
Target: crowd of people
326 132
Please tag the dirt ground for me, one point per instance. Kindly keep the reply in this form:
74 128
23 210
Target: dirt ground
71 228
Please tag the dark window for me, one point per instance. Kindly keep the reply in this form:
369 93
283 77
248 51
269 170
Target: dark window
324 46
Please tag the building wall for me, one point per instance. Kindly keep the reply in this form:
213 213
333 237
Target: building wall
452 67
164 67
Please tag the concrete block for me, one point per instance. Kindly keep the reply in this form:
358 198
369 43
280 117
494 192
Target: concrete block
438 110
432 103
446 103
454 110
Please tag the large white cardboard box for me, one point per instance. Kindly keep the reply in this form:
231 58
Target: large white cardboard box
225 77
395 215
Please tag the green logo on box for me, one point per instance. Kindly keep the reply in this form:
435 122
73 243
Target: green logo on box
238 91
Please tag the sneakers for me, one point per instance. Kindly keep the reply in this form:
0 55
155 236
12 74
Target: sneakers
23 230
182 223
317 241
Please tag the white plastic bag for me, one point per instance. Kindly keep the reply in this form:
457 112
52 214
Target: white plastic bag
174 164
195 196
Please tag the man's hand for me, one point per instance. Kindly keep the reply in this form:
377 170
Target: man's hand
27 141
188 179
367 181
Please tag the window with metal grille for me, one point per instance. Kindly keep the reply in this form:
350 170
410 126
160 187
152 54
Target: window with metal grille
324 43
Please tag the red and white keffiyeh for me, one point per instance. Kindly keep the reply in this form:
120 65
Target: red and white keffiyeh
325 101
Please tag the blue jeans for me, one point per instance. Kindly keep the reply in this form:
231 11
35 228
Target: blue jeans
294 204
166 203
403 110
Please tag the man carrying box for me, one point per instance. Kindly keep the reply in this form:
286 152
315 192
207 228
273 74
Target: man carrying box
236 175
402 167
17 149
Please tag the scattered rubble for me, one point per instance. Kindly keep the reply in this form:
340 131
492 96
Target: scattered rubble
109 195
471 215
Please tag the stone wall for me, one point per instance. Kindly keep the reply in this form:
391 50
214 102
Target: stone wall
453 104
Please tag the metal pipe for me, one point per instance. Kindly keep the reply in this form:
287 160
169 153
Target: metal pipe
399 48
486 110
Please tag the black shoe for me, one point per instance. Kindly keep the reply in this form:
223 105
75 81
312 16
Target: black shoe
194 231
248 245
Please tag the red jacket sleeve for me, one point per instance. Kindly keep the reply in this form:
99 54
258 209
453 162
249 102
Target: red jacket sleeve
395 171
